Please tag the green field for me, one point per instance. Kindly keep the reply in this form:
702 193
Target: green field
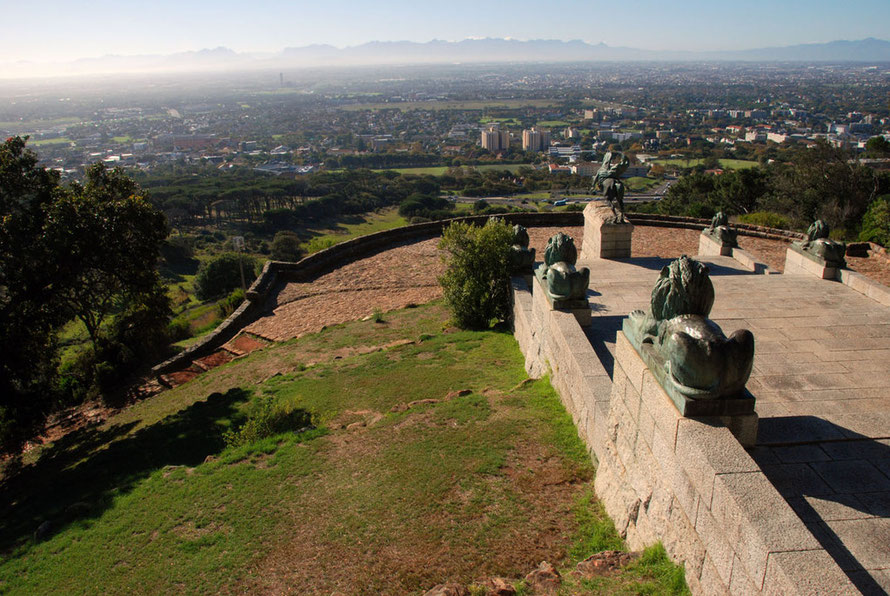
505 121
20 127
153 501
732 164
553 124
48 142
454 105
440 170
533 196
641 184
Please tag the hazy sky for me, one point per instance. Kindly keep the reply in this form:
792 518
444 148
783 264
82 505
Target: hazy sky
64 29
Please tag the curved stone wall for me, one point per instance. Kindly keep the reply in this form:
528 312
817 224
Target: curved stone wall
307 269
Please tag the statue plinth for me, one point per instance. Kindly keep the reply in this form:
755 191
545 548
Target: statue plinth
579 308
800 261
703 371
604 238
736 413
710 245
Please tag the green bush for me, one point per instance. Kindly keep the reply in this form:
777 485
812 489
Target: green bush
280 219
222 274
227 305
431 207
179 329
700 210
286 247
319 243
876 222
767 219
267 417
476 282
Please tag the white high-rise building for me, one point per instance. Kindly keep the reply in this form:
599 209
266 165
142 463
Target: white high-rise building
495 139
535 139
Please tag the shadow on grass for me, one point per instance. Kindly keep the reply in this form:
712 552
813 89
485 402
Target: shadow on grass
78 477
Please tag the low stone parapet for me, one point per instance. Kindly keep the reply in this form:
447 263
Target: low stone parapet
689 483
862 284
799 262
686 482
749 262
709 246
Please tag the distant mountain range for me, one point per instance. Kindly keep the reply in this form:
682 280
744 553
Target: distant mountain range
441 52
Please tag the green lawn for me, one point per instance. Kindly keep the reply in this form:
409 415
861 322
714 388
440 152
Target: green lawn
385 219
386 495
20 127
504 121
533 196
735 164
553 124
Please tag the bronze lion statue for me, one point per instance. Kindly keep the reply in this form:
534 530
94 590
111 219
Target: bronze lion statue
695 357
819 244
563 281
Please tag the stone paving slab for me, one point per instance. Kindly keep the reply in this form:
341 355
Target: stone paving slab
822 382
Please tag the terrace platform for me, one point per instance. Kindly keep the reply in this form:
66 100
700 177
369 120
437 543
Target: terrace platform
822 382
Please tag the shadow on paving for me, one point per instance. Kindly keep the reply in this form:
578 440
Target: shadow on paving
659 263
602 331
835 487
77 478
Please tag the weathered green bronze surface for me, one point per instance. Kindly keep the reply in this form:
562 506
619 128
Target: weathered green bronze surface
608 178
818 245
558 275
522 258
720 231
686 351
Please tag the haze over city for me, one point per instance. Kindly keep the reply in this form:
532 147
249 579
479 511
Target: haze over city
271 25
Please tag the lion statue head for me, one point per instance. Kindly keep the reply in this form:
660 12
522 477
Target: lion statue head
683 288
817 230
560 249
520 236
718 220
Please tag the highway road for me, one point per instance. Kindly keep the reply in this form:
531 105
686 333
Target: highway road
653 195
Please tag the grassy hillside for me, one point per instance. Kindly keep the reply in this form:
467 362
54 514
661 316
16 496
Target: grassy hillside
430 458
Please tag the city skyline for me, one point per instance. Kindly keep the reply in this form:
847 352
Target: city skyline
271 25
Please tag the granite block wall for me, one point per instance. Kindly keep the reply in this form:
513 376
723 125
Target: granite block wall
663 477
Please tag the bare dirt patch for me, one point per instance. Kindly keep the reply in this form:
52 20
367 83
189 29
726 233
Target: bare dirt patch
422 544
874 267
245 344
218 358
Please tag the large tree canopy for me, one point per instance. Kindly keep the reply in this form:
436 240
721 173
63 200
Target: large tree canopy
107 236
80 251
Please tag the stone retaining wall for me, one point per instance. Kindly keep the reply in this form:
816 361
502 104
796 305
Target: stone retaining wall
276 272
662 477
